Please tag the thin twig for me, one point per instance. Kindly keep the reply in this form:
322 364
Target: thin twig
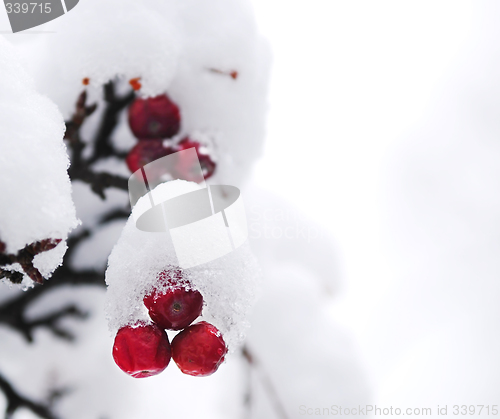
13 312
266 382
15 401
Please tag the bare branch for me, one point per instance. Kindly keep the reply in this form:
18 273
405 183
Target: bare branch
80 168
114 105
115 214
15 401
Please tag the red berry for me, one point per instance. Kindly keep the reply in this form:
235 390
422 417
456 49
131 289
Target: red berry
199 349
185 166
187 142
141 350
175 308
145 152
176 305
156 117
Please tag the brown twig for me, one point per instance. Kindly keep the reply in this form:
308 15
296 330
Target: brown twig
233 73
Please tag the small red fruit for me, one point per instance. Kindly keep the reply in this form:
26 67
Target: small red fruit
145 152
182 167
141 350
155 117
175 308
187 142
185 166
199 349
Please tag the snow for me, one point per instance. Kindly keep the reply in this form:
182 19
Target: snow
129 39
227 284
36 193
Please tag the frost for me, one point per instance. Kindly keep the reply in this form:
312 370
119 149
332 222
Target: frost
35 190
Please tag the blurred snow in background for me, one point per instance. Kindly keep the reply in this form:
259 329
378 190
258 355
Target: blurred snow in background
391 143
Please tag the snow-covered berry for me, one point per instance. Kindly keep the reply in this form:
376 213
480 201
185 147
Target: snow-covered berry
174 304
175 308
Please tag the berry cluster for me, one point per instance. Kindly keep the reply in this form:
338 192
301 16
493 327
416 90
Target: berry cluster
143 350
153 121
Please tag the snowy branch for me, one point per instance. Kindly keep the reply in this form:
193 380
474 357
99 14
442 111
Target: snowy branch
25 258
12 312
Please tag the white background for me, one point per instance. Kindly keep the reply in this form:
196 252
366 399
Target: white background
381 115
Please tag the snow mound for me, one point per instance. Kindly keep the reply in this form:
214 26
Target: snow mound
35 189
